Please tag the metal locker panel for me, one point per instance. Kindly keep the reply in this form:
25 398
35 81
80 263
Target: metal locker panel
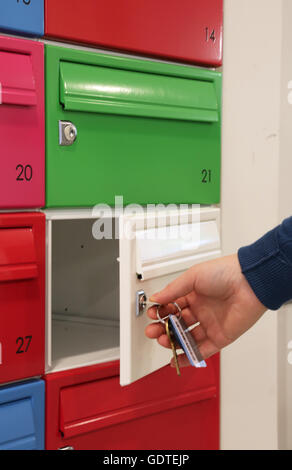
189 31
22 416
22 295
154 259
87 409
111 121
22 16
138 355
22 167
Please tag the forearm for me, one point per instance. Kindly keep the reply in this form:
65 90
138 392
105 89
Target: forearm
267 265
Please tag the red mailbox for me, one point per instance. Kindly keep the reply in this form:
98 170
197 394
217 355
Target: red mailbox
22 129
86 408
22 295
185 30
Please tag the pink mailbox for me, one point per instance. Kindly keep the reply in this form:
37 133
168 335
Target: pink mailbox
22 154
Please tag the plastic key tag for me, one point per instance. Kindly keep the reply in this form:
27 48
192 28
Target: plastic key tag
170 337
186 341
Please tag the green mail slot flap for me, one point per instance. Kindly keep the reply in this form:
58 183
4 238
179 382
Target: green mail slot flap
99 89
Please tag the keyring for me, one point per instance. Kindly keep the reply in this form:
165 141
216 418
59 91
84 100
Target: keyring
162 320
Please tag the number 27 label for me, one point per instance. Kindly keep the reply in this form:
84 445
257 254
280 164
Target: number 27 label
23 344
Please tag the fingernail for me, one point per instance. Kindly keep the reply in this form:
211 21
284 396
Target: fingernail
152 298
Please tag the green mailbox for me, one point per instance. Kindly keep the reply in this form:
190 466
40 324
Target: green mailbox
118 126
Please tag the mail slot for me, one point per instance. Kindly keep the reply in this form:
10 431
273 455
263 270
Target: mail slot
145 130
188 30
22 415
87 409
22 179
22 16
22 295
93 283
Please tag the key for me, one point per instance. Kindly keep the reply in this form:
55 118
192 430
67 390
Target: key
169 334
186 341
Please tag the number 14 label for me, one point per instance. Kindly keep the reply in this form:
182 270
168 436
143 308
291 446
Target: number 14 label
210 34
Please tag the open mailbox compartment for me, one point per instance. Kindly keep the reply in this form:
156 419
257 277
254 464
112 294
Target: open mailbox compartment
92 282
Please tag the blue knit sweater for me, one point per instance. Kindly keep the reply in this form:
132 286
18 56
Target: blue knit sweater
267 265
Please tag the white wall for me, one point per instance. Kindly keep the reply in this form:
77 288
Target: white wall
285 210
250 206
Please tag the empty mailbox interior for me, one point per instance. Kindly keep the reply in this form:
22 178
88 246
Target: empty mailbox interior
84 295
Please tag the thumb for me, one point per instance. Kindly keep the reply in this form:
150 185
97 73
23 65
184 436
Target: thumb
180 287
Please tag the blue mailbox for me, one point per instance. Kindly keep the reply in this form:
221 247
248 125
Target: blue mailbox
22 416
22 17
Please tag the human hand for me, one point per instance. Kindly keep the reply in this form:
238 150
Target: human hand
217 295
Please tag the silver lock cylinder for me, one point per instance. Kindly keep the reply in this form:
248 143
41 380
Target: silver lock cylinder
141 302
67 133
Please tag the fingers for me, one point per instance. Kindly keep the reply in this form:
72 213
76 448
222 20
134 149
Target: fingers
154 330
166 309
164 341
207 349
198 333
176 289
157 330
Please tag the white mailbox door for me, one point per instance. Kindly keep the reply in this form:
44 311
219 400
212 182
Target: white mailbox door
154 249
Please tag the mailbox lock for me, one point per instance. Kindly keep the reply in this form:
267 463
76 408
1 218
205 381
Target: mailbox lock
67 133
141 302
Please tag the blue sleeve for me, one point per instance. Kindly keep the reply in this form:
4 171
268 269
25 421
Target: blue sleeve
267 265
